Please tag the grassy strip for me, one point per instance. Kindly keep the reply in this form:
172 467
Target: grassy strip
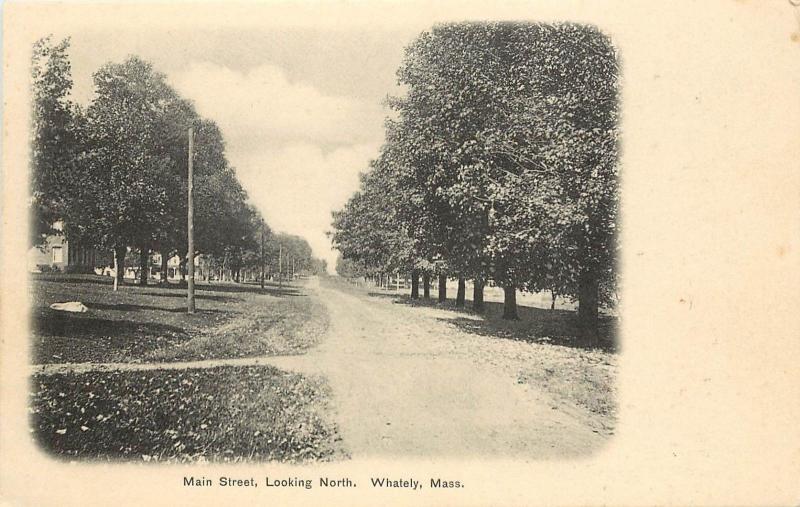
224 414
281 327
150 323
585 379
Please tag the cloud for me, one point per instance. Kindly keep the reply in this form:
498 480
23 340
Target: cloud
297 151
262 106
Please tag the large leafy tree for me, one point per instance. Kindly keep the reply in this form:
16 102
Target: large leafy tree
55 141
349 268
135 185
518 125
367 229
504 154
117 173
128 188
555 148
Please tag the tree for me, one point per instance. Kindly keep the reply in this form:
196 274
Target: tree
129 163
440 117
557 142
349 268
369 231
515 124
116 174
502 164
55 139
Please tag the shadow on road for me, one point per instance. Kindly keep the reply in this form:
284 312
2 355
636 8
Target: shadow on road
536 325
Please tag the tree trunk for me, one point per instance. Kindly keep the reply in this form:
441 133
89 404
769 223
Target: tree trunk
426 286
143 265
414 284
510 303
462 292
477 295
120 252
164 266
442 288
588 311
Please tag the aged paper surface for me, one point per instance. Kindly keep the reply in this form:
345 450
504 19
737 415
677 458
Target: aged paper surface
708 377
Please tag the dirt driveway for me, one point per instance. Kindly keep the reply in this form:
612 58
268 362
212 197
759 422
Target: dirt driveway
404 386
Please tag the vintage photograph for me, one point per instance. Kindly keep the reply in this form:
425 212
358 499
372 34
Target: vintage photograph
309 244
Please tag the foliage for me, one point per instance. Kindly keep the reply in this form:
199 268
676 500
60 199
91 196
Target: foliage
501 163
217 414
349 268
54 144
116 174
368 231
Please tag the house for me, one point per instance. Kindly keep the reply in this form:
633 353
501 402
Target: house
173 267
57 254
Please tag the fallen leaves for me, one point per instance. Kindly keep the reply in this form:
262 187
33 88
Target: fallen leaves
217 414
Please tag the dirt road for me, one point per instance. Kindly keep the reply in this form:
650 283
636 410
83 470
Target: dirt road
403 386
406 382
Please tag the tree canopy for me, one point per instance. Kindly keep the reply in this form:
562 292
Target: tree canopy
116 172
501 163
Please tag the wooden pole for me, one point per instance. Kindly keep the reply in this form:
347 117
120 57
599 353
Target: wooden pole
116 269
190 225
280 267
262 255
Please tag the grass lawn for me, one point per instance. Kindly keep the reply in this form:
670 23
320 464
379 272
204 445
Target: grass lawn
223 414
145 324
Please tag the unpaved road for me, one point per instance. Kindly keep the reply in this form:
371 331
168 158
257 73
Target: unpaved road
406 383
403 387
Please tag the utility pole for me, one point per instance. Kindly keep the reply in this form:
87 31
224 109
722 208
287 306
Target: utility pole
190 225
116 267
262 255
280 267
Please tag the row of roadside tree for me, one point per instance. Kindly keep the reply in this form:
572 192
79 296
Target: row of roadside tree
114 173
499 164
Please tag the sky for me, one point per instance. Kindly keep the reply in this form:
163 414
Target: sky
302 110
